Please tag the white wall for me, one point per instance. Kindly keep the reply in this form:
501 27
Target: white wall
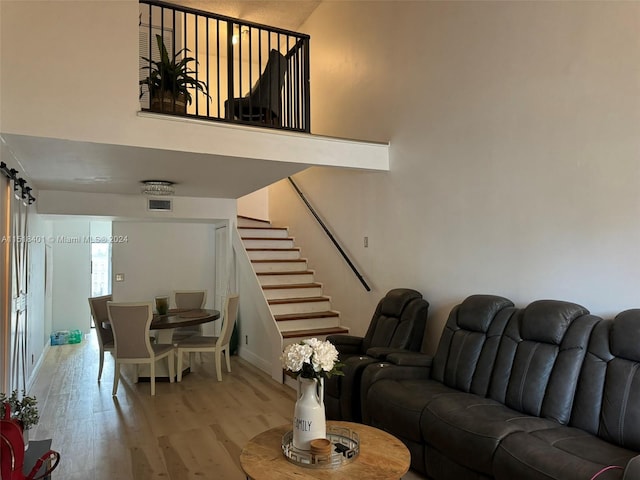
158 258
255 205
71 274
515 134
155 257
260 340
40 319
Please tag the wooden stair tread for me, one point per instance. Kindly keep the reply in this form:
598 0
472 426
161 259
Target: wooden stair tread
267 249
254 219
284 301
293 285
305 316
281 239
284 260
262 228
298 272
314 331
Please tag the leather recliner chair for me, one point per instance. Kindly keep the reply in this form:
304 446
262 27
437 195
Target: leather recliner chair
398 324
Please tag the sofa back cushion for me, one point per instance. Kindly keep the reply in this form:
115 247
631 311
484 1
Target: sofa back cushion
398 321
539 359
608 397
469 342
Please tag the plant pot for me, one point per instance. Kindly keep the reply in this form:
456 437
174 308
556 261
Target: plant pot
165 102
162 305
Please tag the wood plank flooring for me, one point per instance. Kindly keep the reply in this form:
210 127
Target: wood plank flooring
190 430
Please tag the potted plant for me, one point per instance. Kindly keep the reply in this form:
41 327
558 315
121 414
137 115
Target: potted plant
170 80
24 410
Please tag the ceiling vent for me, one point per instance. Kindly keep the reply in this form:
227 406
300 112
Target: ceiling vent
159 205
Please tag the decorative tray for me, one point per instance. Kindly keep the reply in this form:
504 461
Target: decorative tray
345 445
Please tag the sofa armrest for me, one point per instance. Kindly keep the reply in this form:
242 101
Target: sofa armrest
410 359
347 344
381 353
632 470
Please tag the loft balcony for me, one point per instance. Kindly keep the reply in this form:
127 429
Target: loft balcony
211 67
75 125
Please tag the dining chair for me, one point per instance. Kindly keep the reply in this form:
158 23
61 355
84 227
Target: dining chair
98 306
188 299
217 345
130 323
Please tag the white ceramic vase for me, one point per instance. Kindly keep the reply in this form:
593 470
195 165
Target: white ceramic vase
309 419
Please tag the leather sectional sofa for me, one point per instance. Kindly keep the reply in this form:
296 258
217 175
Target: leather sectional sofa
544 392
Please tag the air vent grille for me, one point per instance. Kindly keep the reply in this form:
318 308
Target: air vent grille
157 205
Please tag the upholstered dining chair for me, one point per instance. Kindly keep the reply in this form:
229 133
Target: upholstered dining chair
217 345
98 306
130 323
188 299
263 103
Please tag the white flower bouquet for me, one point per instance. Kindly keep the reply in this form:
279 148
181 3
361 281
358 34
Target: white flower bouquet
311 358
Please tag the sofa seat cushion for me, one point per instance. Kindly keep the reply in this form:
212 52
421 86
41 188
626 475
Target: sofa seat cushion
397 405
469 428
562 453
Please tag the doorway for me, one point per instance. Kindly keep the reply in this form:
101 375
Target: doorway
100 259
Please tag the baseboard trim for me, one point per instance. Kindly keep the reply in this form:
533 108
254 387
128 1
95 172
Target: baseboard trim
255 360
36 368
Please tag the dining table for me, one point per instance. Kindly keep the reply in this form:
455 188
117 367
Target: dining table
180 317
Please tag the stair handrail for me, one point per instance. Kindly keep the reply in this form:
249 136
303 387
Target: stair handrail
330 235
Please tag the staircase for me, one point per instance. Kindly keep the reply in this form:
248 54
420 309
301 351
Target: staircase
294 297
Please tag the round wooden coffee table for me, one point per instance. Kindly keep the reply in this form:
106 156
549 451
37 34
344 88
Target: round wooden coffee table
382 457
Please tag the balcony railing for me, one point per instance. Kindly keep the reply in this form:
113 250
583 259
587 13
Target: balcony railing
240 72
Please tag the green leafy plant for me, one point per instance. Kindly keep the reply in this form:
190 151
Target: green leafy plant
24 409
171 78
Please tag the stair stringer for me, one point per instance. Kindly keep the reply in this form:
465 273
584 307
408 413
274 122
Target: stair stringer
253 300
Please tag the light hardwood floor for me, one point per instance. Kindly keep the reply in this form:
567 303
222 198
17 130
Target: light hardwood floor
190 430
